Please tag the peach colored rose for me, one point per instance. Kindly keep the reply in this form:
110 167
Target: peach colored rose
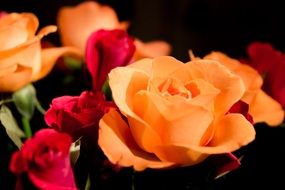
173 113
77 23
22 60
151 49
262 107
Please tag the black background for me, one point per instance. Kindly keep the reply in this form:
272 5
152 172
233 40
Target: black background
203 26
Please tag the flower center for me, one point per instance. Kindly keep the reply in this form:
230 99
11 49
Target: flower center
46 157
172 87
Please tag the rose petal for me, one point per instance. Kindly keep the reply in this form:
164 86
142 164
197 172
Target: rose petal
8 70
252 80
151 49
232 131
77 23
123 94
47 155
265 109
167 119
27 54
58 177
231 89
21 26
16 80
250 77
114 131
143 65
230 63
263 56
131 81
105 50
205 92
49 57
256 98
182 155
163 66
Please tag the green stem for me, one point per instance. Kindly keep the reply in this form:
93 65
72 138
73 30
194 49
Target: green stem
40 108
27 127
133 180
6 101
88 183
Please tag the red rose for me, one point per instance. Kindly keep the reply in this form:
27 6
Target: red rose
271 64
74 114
2 13
45 160
105 50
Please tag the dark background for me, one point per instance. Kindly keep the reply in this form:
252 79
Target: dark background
203 26
200 25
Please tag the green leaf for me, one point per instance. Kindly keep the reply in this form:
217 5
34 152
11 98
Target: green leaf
11 126
25 100
107 90
75 151
88 183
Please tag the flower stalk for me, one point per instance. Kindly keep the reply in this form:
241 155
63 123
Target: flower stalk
27 127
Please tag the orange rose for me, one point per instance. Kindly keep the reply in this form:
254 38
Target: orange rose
21 58
77 23
175 113
261 106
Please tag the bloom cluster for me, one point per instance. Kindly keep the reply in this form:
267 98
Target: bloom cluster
142 108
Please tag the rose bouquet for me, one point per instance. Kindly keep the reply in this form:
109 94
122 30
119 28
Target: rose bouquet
122 111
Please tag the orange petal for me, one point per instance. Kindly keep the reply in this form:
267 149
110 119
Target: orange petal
144 107
20 28
165 65
174 122
231 132
45 31
8 70
77 23
144 135
179 154
230 85
27 54
16 29
143 65
207 93
265 109
15 80
151 49
252 80
249 75
131 81
49 57
230 63
124 25
114 131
